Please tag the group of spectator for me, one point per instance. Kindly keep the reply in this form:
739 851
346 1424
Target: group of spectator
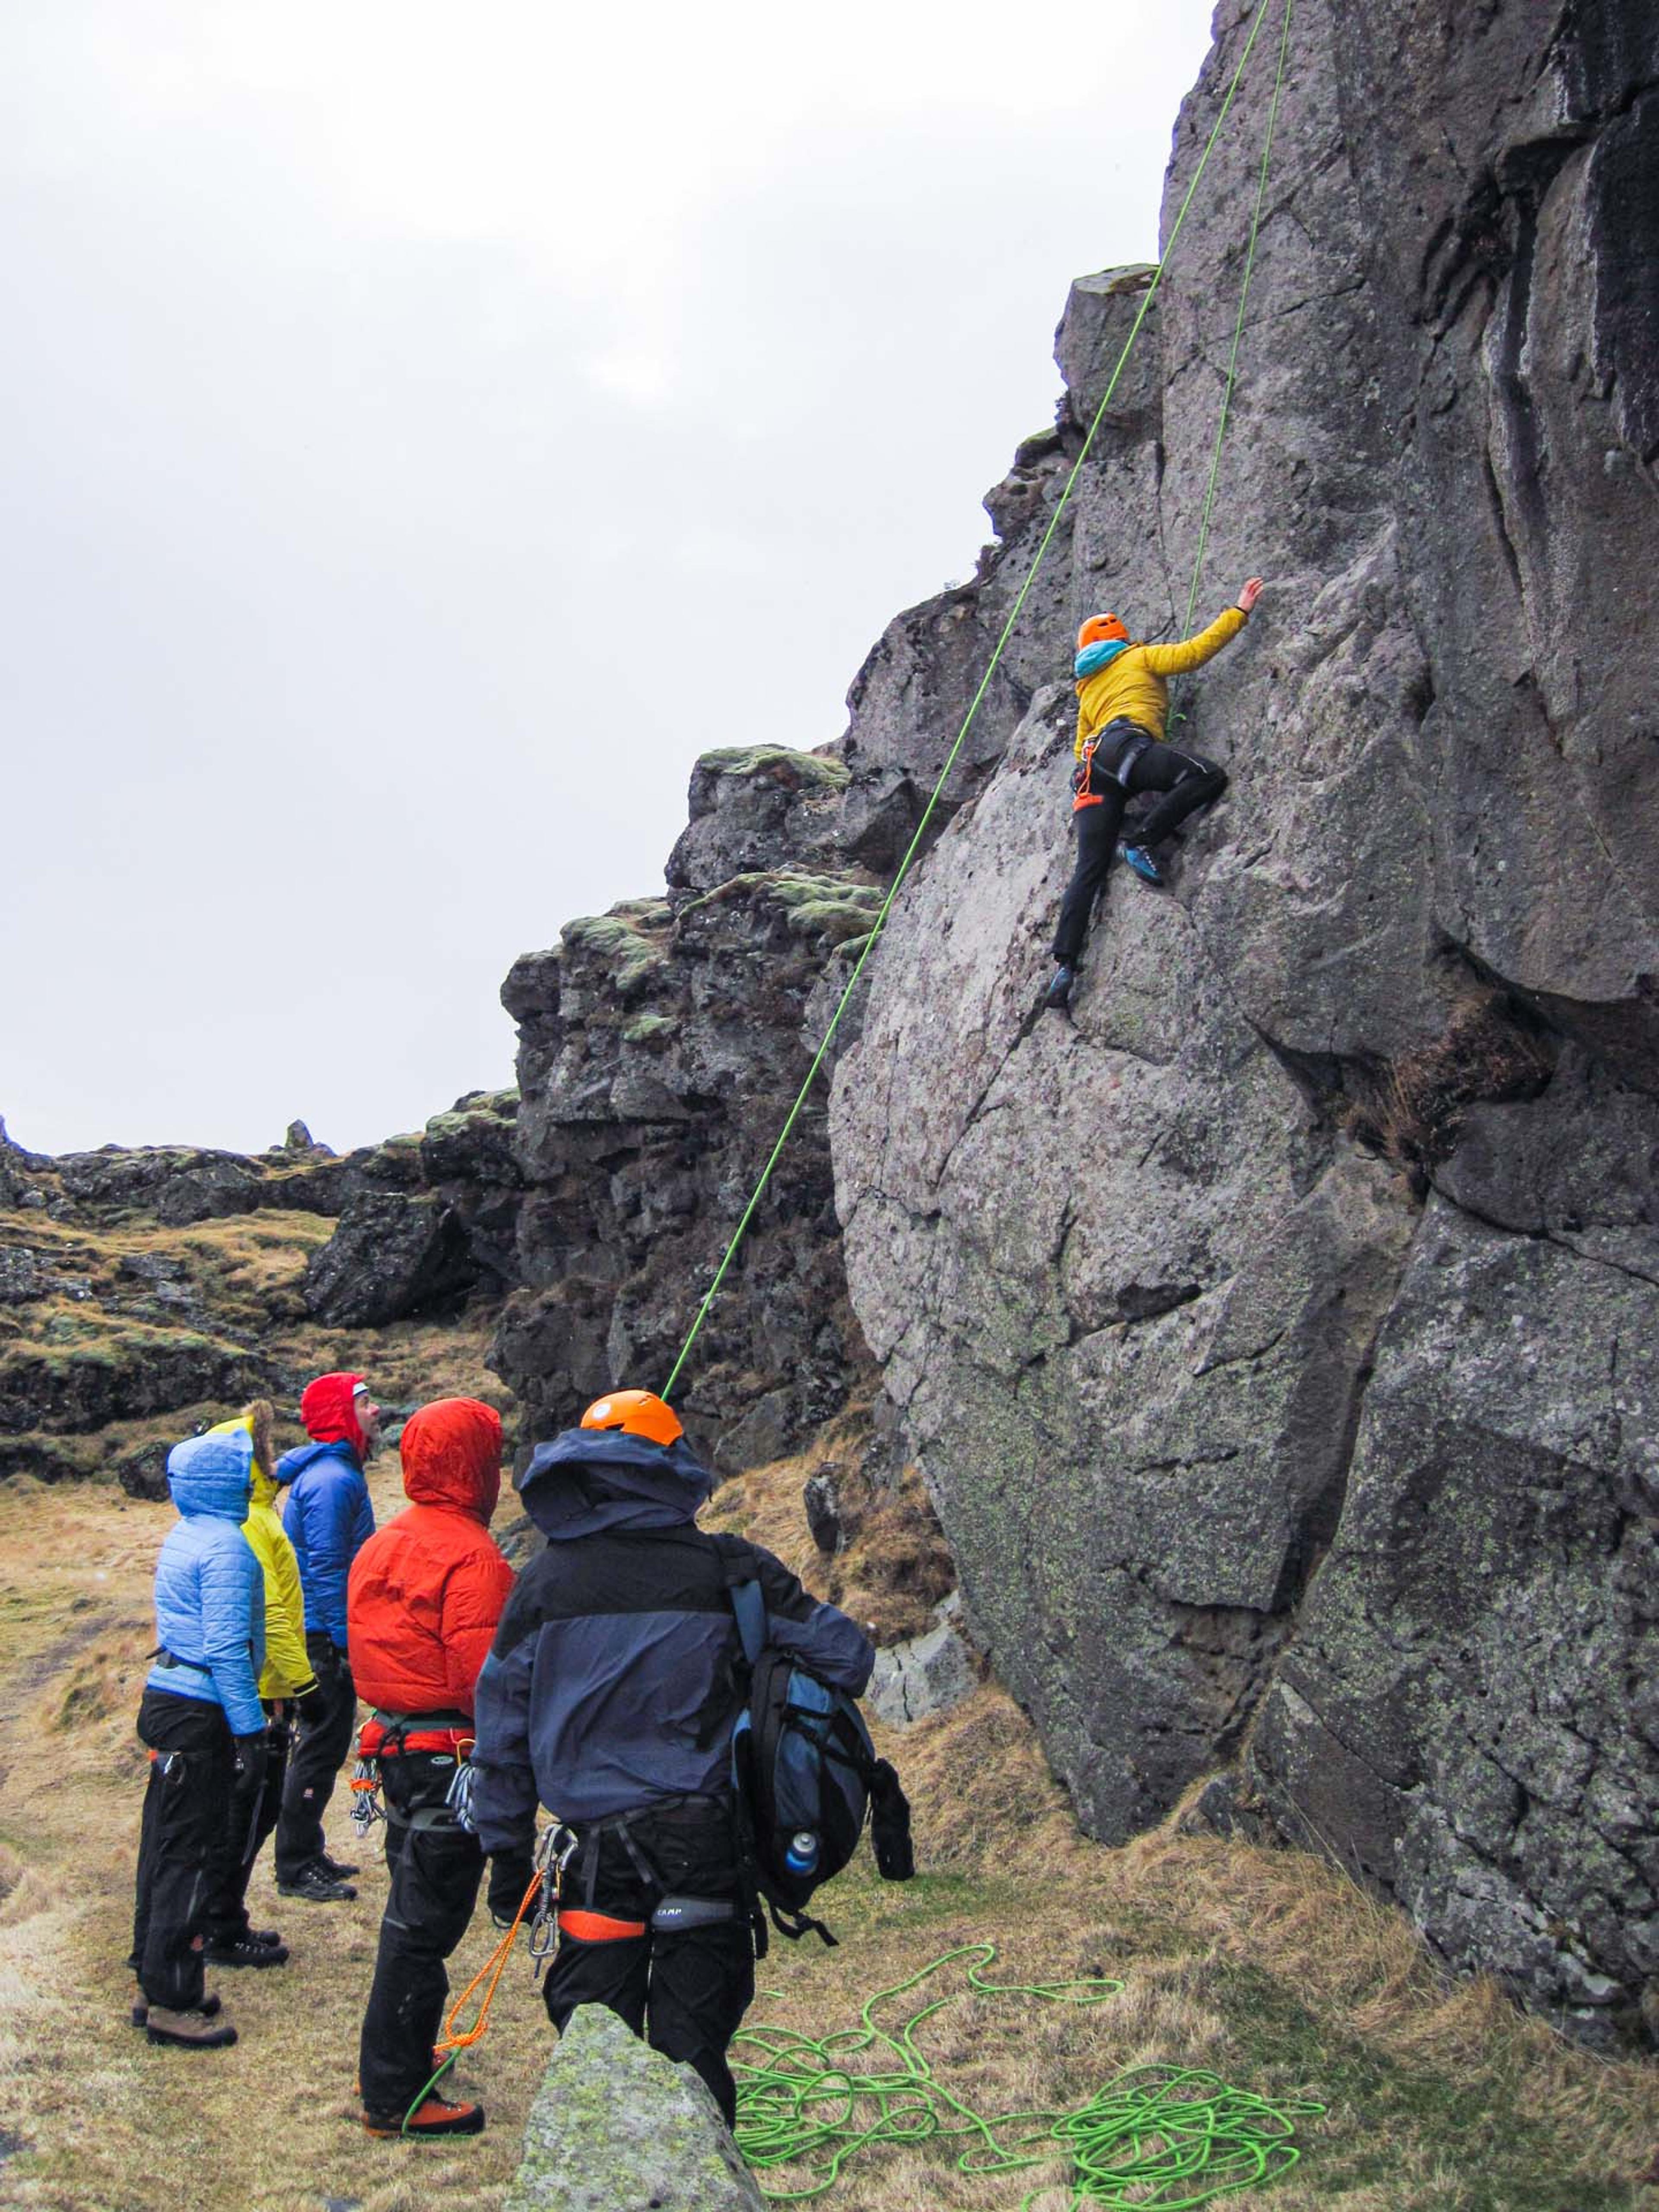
602 1685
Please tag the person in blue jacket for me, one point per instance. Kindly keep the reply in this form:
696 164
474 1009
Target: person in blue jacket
610 1696
201 1718
328 1520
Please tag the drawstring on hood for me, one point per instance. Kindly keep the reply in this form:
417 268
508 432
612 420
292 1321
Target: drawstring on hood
590 1480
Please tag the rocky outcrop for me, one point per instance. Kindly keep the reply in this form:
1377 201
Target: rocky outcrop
1275 1339
660 1048
140 1284
615 2124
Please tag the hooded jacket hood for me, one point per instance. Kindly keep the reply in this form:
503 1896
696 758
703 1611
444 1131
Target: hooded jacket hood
451 1456
263 1478
589 1479
207 1476
329 1412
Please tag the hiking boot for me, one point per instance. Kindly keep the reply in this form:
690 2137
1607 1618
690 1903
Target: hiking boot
436 2115
316 1886
244 1951
1059 993
1139 857
336 1869
268 1936
190 2030
210 2006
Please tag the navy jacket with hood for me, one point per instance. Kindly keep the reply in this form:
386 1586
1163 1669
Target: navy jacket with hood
613 1680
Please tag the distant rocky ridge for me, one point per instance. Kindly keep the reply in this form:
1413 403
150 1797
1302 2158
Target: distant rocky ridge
137 1284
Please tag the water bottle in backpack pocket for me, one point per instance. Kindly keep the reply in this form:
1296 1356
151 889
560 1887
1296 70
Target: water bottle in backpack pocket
806 1777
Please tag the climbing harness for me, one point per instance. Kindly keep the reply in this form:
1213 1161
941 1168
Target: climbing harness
1156 2138
1014 613
1132 743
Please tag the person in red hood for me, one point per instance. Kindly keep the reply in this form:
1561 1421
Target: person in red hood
424 1596
328 1519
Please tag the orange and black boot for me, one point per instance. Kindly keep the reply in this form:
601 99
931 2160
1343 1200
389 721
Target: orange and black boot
433 2116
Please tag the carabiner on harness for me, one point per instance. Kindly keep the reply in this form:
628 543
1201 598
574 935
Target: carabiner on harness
458 1798
554 1850
365 1805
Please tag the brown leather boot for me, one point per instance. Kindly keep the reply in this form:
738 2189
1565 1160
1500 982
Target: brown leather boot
191 2030
210 2004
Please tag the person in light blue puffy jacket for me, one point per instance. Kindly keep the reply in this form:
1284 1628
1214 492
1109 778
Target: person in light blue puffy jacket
201 1720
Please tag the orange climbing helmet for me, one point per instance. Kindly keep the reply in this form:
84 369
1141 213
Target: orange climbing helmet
1098 629
637 1413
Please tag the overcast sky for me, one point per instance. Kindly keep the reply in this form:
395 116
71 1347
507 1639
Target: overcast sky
425 429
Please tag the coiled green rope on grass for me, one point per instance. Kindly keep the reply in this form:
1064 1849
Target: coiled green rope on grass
1154 2139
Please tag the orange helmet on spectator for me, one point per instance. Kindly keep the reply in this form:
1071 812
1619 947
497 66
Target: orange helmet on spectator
637 1413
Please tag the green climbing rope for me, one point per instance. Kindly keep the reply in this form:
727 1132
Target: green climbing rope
1155 2139
1014 613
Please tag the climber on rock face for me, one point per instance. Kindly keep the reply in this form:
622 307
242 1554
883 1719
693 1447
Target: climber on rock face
1123 699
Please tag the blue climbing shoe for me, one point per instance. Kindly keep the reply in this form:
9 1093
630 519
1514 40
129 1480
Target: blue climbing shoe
1059 993
1139 857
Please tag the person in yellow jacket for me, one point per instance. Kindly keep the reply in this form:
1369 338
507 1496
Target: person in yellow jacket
1123 705
287 1683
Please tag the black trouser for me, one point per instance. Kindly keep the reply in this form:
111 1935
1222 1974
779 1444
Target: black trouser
315 1764
180 1841
244 1838
436 1867
1187 782
686 1993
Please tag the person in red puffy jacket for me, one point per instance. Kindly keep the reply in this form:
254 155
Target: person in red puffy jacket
424 1596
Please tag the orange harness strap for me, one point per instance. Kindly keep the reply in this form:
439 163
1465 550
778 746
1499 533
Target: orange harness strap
1085 796
599 1926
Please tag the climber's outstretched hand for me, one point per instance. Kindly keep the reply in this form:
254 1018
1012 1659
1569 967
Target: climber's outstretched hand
1251 594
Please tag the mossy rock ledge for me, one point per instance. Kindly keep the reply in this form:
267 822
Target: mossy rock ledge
616 2127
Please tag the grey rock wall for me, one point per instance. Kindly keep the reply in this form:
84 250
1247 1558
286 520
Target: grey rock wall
1276 1338
661 1048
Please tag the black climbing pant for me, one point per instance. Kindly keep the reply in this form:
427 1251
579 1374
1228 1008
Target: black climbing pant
180 1842
244 1838
1187 783
685 1993
436 1866
314 1765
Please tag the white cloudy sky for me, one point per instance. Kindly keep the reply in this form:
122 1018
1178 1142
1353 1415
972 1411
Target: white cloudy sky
425 429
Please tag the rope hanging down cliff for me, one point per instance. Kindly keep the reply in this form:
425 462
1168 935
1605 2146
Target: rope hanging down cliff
1018 608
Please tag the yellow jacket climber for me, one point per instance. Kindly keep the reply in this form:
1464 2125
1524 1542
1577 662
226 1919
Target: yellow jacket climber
1122 706
288 1671
1131 685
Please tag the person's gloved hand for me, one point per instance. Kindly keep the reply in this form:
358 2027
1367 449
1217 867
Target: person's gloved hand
248 1761
510 1873
312 1705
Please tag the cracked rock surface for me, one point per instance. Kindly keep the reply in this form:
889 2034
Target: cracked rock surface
1277 1338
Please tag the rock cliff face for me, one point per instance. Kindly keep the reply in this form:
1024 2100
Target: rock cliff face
660 1046
1279 1337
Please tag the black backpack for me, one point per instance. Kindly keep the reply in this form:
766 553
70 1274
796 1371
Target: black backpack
805 1775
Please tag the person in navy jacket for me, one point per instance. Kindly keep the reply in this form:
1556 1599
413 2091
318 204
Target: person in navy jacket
202 1719
328 1520
610 1696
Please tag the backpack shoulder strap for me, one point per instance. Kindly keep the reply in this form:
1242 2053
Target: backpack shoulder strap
744 1595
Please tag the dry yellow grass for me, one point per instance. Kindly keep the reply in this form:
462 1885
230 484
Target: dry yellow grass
1266 1965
